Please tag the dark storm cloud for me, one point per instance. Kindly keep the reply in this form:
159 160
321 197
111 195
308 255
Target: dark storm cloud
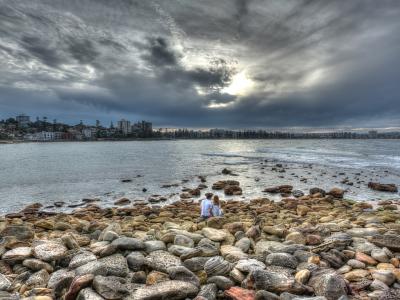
40 49
83 51
160 54
167 62
241 63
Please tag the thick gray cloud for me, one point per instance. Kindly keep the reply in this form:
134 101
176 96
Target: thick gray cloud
241 63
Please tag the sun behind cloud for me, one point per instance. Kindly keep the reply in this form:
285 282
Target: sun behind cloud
240 86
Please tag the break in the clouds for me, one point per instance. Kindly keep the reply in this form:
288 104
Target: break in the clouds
227 63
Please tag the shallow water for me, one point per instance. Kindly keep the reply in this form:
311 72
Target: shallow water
49 172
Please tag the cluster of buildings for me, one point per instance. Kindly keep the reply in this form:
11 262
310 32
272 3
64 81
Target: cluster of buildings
23 128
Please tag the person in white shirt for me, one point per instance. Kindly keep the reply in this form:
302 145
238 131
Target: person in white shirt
206 207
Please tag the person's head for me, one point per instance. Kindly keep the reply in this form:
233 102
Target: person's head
216 200
209 196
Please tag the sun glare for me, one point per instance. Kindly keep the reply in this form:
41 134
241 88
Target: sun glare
240 85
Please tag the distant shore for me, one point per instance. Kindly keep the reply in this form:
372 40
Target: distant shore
178 139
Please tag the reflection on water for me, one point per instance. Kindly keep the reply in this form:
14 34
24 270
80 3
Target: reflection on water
68 172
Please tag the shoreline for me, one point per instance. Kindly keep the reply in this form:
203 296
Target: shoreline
313 245
8 142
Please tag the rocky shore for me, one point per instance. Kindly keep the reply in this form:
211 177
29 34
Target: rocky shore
316 246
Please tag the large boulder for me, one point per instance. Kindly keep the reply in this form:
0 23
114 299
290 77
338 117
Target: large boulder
391 188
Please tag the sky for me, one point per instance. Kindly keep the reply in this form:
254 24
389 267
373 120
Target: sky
203 63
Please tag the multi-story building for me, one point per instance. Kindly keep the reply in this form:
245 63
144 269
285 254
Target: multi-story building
124 126
143 129
23 121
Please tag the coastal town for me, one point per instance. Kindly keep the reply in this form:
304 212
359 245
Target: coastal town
23 129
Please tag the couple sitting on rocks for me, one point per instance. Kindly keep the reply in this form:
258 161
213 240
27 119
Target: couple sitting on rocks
210 207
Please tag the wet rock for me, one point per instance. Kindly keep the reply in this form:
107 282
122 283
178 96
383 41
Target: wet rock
110 287
317 191
297 193
392 188
127 243
281 259
233 190
183 274
17 254
161 260
217 266
336 193
173 289
49 251
281 189
122 201
220 185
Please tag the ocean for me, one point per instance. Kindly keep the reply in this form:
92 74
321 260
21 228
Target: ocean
70 171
